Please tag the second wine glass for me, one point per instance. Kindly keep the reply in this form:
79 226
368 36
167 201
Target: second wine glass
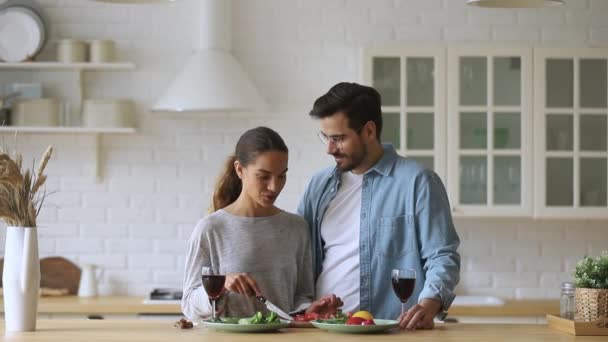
213 282
404 281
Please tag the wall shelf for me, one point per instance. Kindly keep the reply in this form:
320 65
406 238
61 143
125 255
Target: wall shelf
70 130
77 69
68 66
73 130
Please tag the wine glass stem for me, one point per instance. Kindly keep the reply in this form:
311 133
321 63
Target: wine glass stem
402 309
213 310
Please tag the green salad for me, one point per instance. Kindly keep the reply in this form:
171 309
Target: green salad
258 318
338 318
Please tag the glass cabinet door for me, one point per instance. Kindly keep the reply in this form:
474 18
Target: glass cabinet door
489 120
413 101
572 110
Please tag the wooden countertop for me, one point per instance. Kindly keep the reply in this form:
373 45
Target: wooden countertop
101 305
151 331
511 308
134 305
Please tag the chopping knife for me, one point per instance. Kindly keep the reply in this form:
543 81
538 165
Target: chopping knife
274 308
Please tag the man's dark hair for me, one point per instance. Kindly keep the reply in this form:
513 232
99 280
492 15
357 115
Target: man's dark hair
358 102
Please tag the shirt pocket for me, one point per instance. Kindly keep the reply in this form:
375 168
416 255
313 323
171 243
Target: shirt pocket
396 236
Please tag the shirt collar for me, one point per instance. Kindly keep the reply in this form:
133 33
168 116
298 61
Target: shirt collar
383 166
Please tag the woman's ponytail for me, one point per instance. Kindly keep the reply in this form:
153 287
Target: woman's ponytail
228 187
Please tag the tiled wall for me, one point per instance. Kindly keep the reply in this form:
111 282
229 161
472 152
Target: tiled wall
157 183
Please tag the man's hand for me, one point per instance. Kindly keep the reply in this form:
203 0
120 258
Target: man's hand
242 283
326 305
420 316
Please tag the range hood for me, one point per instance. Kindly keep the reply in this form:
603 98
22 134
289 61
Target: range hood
212 79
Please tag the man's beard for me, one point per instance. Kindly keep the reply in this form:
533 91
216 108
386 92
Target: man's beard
355 160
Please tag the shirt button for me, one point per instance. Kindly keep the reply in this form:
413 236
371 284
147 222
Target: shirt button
364 215
333 189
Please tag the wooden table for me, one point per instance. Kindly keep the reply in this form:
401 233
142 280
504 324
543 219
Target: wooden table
148 331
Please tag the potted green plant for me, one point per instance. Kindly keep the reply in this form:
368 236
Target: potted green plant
591 280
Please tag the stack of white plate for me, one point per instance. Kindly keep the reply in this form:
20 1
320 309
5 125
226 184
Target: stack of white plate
22 32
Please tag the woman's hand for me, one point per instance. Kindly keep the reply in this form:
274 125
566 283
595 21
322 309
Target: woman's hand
326 305
242 283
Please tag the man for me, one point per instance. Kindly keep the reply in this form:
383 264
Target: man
374 212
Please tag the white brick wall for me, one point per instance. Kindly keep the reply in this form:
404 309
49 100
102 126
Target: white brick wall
157 183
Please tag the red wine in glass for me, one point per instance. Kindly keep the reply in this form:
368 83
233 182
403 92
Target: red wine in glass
213 282
404 287
404 282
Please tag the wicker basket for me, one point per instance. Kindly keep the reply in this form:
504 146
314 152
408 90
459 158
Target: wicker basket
591 304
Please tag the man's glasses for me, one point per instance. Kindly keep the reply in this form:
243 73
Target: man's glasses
336 140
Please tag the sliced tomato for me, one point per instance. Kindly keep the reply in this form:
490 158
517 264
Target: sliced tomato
355 321
311 316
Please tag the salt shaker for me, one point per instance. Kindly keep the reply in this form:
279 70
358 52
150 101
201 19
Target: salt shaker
567 305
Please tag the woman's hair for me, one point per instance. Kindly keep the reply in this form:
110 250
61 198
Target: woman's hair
251 144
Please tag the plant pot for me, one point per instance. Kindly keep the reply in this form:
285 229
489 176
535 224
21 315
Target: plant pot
21 279
591 304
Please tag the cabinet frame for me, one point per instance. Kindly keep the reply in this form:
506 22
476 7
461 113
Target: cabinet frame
541 210
439 99
524 209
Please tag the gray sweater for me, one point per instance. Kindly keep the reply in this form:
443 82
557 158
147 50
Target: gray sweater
274 250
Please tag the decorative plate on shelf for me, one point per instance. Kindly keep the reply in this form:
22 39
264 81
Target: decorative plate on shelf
22 34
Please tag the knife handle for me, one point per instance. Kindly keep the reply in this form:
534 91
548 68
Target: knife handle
261 299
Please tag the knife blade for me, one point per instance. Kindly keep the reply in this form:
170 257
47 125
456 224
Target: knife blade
274 308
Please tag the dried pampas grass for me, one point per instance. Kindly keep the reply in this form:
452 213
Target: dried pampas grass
20 190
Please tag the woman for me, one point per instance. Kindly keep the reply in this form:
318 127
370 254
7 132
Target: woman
262 249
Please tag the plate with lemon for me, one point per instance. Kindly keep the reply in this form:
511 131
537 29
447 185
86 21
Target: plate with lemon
361 322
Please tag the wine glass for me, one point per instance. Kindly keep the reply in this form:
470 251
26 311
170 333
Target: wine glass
404 282
213 282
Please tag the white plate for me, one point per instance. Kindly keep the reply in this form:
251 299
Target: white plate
246 328
381 325
21 34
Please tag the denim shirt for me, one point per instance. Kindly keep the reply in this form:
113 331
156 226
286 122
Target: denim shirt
406 222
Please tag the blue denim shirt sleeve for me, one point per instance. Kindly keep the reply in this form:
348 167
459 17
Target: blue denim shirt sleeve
308 209
438 240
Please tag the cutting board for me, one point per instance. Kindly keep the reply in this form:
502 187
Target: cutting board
56 273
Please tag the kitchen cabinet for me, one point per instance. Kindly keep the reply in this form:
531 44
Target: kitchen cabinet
467 116
490 120
512 131
411 84
571 121
75 109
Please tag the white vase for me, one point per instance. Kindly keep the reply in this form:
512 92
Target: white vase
21 279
